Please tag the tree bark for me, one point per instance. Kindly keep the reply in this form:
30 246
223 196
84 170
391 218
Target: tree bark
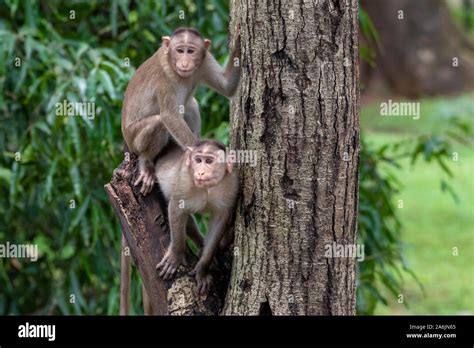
420 48
298 108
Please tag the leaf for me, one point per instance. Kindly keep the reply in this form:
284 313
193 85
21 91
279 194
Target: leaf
444 166
13 183
81 85
67 251
446 187
44 247
92 83
81 213
76 138
76 180
132 17
149 36
106 83
5 174
114 68
83 47
76 291
49 181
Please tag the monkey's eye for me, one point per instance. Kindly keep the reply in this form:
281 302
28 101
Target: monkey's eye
208 160
198 160
190 51
180 50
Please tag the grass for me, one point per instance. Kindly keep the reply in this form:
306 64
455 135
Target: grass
433 223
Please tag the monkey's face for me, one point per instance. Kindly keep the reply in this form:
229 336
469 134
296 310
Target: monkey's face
186 53
208 166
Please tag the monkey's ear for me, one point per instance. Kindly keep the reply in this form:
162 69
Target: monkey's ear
166 41
189 151
230 160
207 43
229 166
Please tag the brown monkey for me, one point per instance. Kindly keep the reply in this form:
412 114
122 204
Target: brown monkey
159 99
198 180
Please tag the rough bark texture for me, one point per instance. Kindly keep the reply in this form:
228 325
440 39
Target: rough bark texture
145 227
298 107
416 56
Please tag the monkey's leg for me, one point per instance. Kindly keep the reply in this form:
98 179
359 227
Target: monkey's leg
147 309
125 279
146 176
193 117
227 239
217 228
149 140
192 230
174 255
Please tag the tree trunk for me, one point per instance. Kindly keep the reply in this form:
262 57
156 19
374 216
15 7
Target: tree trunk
298 108
422 51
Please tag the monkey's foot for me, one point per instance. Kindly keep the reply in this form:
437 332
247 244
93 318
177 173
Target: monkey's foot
147 178
169 264
203 279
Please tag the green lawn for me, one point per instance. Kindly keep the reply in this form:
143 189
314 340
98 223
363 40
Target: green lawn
433 223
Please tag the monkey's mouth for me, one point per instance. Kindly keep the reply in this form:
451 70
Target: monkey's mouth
203 183
185 73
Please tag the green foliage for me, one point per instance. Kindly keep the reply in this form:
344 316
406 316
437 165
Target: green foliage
463 14
371 41
379 225
53 167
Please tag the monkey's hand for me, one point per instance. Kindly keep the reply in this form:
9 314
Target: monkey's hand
170 263
203 278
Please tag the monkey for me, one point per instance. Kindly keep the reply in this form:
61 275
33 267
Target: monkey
159 101
199 179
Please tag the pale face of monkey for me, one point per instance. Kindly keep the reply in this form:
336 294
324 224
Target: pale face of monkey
206 166
186 52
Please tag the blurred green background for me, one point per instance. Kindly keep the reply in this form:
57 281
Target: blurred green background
52 169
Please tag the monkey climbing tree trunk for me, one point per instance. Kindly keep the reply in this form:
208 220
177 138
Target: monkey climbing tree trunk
298 108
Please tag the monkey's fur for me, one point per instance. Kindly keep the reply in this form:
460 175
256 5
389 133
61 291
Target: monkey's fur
196 181
159 99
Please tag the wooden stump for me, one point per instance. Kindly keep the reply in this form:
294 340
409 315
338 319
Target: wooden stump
145 229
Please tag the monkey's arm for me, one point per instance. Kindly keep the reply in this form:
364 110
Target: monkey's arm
177 127
217 228
224 82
